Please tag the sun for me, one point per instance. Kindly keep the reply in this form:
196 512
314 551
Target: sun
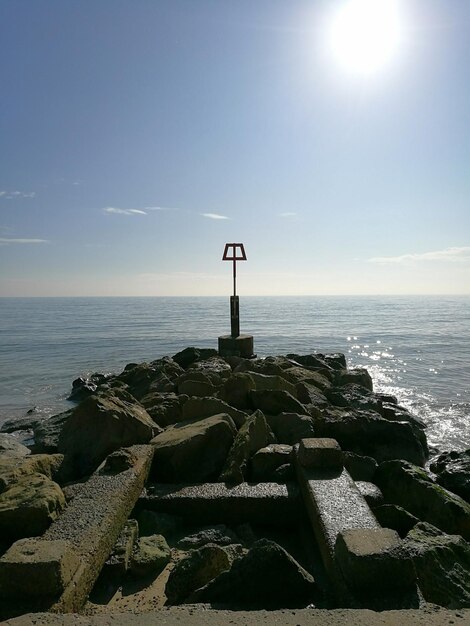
366 36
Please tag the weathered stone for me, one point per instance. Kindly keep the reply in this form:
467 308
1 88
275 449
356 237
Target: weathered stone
165 408
412 488
275 580
395 517
453 472
10 446
99 425
33 567
354 396
311 397
252 436
316 361
442 564
119 559
154 523
372 563
220 535
84 387
151 554
193 451
199 388
47 432
360 467
199 408
19 423
358 376
297 374
265 382
191 355
368 434
320 453
275 402
290 428
371 493
28 506
395 413
12 467
214 365
194 571
269 459
145 378
236 391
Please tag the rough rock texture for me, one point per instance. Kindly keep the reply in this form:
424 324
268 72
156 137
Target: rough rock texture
354 396
360 467
266 576
119 560
252 436
193 451
453 472
395 517
47 432
99 425
220 535
28 507
199 408
266 462
412 488
191 355
442 564
196 570
13 467
275 401
151 554
236 391
357 376
290 428
367 434
12 447
164 408
22 423
153 523
371 493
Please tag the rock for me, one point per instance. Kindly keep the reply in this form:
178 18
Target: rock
354 396
199 408
316 361
12 447
155 523
145 378
188 356
252 436
395 517
268 460
358 376
290 428
165 408
120 558
193 451
12 467
396 413
200 388
267 576
220 535
360 467
442 564
297 374
275 402
47 432
320 453
453 472
236 391
194 571
412 488
372 494
150 556
265 382
100 425
213 365
368 434
19 423
81 389
310 396
28 506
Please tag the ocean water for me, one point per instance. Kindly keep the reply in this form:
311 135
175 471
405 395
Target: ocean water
417 348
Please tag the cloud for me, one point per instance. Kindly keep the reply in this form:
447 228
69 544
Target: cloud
287 214
451 255
115 211
215 216
160 208
5 241
11 195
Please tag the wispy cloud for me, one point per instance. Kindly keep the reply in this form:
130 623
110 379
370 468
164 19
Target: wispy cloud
215 216
114 211
7 241
160 208
288 214
11 195
451 255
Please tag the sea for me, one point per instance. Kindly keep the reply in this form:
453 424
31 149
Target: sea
415 347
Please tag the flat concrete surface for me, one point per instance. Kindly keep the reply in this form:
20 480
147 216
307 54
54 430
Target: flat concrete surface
196 616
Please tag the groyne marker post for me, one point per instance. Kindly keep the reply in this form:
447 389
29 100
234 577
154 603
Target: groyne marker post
235 344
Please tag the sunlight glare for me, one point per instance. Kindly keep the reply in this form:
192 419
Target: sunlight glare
366 35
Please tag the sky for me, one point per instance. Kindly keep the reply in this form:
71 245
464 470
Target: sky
137 137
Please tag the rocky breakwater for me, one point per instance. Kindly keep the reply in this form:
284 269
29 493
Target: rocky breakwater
203 419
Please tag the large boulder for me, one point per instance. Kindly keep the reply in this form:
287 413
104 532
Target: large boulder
191 355
199 408
395 517
212 365
236 390
357 376
290 428
193 451
252 436
266 462
195 570
165 408
28 506
354 396
151 554
276 401
360 467
296 374
100 425
264 382
10 446
453 472
368 434
19 423
47 432
413 489
144 378
220 535
442 564
267 576
13 467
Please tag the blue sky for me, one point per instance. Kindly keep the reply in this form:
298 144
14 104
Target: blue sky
138 137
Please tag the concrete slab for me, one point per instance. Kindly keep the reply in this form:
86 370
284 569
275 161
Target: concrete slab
322 453
208 503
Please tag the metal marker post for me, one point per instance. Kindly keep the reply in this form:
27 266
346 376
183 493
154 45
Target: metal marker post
234 300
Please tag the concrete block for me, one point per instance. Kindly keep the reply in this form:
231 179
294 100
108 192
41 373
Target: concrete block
321 453
241 346
371 561
37 568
